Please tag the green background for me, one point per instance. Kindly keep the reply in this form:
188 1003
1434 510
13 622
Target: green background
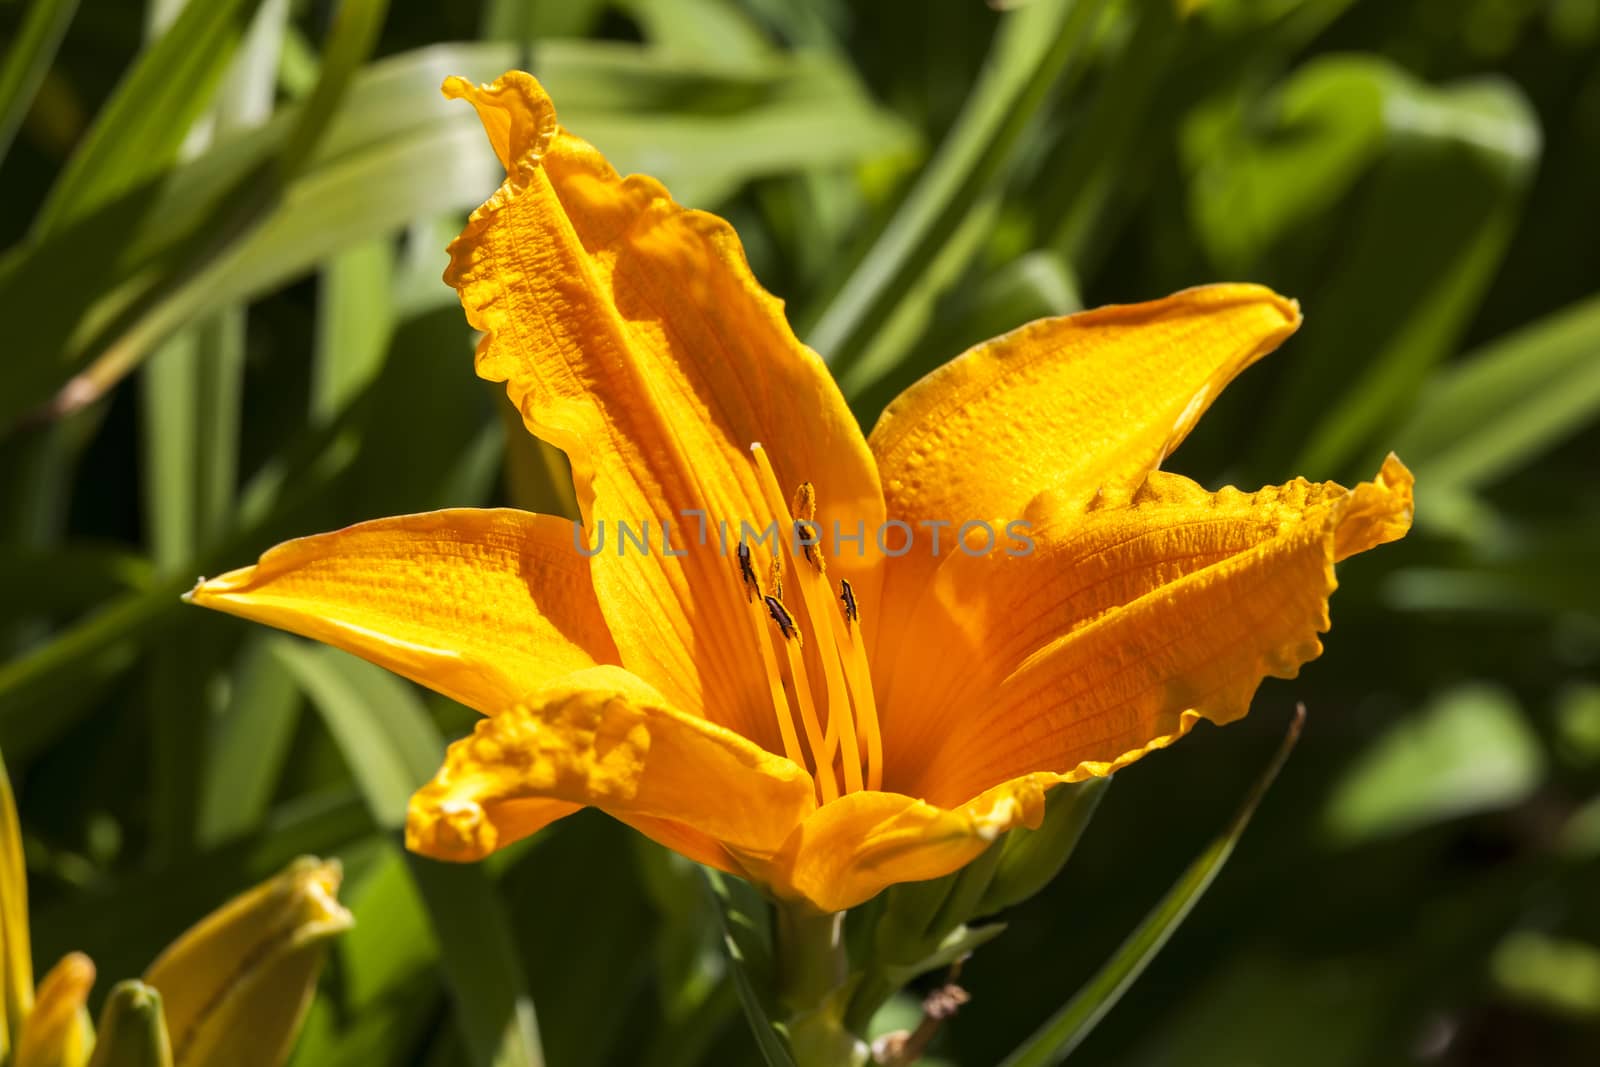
221 325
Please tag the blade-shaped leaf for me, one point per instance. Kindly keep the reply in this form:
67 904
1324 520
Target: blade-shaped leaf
138 133
490 991
1054 1041
392 747
389 742
744 932
1032 49
249 744
1411 247
28 59
1499 407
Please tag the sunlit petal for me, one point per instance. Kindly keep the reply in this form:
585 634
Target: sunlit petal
852 849
631 334
481 605
1065 404
606 739
1130 621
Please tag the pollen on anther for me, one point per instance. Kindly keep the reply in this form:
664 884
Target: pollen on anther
747 573
785 621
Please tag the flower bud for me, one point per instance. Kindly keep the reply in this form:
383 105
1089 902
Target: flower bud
238 983
16 955
1029 859
57 1032
133 1031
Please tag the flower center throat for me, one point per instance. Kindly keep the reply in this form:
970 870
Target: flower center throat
811 648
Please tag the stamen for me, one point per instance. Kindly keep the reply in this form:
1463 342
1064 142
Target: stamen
825 780
860 676
815 600
775 577
785 621
780 702
805 513
747 573
805 502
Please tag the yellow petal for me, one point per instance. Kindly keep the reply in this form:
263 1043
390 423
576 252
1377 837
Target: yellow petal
236 984
853 848
16 952
606 739
481 605
58 1032
632 335
1066 404
1128 623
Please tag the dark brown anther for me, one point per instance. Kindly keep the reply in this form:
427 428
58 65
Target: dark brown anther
781 616
747 572
847 596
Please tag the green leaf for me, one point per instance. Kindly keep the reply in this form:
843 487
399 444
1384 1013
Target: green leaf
1065 1030
354 327
1264 174
525 24
249 744
1470 750
1560 975
28 60
1036 285
1100 160
1501 406
168 898
214 242
485 976
138 133
59 581
390 744
73 667
1412 246
1032 49
218 231
350 41
746 936
1031 859
392 748
387 963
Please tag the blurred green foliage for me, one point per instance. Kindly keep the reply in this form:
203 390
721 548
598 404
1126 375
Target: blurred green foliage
223 232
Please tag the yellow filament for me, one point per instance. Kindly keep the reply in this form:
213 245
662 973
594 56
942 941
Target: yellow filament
808 718
866 705
817 600
780 703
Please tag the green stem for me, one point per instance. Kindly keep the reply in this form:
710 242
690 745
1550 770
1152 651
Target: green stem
812 969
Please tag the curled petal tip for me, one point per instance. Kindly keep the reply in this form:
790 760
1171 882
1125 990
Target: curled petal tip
206 589
449 828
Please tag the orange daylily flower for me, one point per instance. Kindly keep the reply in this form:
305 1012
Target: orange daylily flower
827 720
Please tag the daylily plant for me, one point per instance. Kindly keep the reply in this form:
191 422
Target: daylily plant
1005 593
230 991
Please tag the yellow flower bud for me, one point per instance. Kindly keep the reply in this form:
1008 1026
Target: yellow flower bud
16 957
237 984
57 1033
